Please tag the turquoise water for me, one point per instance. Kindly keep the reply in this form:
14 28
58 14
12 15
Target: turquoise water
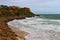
50 16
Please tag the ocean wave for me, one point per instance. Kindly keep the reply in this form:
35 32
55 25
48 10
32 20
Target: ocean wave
39 28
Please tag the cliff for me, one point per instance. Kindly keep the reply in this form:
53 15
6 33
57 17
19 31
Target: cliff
15 11
8 13
5 32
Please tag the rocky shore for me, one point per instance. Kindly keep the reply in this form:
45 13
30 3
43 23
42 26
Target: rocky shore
5 32
9 13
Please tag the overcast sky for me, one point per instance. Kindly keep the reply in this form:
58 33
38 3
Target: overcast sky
36 6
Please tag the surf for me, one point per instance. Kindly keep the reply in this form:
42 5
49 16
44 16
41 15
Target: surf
38 28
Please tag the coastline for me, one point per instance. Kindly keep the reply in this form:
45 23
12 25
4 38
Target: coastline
9 13
18 32
6 33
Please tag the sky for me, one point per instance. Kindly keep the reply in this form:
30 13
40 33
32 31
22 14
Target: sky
36 6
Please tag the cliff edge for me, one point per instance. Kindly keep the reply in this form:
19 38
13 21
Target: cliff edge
9 13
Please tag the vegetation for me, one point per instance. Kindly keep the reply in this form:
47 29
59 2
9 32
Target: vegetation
6 11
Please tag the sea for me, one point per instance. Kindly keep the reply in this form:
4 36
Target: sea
43 27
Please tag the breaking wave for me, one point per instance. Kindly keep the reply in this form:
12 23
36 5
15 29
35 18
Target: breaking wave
39 28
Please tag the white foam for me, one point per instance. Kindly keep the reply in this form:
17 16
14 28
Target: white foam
39 29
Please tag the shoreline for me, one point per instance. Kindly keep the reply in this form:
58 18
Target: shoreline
18 32
9 13
6 33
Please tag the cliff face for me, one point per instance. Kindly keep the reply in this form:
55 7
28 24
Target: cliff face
0 12
27 9
15 11
8 13
5 32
